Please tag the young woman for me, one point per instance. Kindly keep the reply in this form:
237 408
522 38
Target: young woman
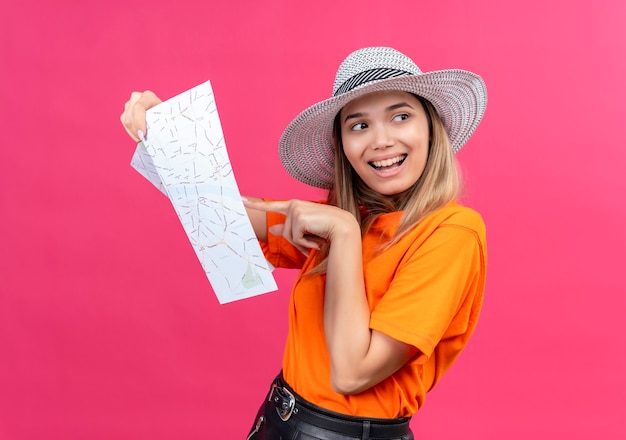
392 268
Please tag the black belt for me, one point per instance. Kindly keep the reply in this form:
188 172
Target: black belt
289 405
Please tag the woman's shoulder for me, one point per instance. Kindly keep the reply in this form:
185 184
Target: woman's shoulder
459 212
456 214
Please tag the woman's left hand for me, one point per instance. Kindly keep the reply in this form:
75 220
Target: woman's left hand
307 224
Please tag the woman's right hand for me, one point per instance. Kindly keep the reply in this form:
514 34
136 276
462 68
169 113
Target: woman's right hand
134 116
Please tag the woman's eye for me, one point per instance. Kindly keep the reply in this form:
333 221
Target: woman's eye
401 117
359 126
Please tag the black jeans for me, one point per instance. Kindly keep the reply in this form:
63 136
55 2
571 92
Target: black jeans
286 416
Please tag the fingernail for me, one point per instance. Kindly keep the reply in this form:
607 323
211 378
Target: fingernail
243 199
140 134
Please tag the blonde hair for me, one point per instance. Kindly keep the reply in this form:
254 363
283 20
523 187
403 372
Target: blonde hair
439 184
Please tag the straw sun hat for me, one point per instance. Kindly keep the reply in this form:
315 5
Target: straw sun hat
459 96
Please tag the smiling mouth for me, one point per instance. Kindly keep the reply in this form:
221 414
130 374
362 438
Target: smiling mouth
382 165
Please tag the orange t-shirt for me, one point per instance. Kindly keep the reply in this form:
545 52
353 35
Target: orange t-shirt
426 290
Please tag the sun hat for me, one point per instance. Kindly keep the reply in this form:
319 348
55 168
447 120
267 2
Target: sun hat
459 96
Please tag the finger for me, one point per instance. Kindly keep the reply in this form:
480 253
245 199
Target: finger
315 239
131 119
277 229
291 232
129 131
279 206
136 115
305 239
145 101
124 119
303 242
307 243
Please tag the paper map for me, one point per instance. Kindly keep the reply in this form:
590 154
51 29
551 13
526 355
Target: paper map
184 155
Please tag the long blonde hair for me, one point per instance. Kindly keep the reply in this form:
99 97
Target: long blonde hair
438 185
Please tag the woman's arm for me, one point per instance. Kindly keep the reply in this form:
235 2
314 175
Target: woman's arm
360 357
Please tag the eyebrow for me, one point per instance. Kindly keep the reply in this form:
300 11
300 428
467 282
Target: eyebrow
388 109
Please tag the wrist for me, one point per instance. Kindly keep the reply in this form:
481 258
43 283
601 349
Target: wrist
347 230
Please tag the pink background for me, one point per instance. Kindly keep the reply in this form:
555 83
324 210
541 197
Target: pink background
108 326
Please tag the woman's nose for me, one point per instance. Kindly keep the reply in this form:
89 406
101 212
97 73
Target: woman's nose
382 138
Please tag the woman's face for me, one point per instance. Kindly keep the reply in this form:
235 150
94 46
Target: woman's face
385 138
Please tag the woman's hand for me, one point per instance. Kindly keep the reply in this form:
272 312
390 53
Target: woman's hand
134 116
308 224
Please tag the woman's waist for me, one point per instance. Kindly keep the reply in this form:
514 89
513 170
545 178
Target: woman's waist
289 404
386 400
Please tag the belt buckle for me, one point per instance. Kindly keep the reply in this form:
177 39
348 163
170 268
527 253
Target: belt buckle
285 401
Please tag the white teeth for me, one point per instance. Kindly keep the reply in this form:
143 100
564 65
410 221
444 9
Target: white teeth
388 162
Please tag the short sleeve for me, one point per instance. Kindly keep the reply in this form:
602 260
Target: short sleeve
436 293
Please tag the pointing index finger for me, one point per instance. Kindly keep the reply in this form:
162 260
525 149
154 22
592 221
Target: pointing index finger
279 206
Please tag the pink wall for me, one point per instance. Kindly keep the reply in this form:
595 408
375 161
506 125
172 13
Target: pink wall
108 327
